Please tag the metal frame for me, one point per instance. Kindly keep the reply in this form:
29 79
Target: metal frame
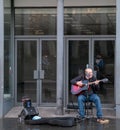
67 38
38 40
27 39
66 59
91 40
104 38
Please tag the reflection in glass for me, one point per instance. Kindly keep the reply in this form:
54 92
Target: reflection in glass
8 85
7 70
26 64
106 50
35 21
77 21
49 67
90 21
78 58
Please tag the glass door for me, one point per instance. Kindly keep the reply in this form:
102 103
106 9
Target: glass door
81 52
36 70
26 63
78 58
104 49
48 60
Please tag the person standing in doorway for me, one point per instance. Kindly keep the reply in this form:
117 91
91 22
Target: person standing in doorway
99 67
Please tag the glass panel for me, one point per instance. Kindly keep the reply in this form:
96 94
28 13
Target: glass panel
78 58
7 70
106 50
49 66
90 21
77 21
8 87
35 21
26 64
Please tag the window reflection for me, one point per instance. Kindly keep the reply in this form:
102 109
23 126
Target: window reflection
106 50
90 21
49 67
78 58
35 22
8 87
26 64
77 21
7 70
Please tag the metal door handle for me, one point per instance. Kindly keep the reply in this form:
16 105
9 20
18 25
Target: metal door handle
38 74
42 72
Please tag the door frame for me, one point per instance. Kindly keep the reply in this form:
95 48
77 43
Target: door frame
96 38
66 62
91 40
16 40
38 40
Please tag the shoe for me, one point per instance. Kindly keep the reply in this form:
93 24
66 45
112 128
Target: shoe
80 118
83 118
102 121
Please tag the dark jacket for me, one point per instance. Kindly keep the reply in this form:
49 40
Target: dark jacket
92 88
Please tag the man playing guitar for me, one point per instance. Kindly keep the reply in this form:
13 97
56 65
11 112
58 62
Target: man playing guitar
88 94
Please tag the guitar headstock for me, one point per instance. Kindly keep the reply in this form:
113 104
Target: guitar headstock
105 80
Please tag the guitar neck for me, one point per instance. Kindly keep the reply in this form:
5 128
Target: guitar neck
90 83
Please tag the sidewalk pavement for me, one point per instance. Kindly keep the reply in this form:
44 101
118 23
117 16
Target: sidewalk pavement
51 112
10 122
88 124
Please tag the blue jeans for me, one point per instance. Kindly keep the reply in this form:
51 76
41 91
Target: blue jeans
95 99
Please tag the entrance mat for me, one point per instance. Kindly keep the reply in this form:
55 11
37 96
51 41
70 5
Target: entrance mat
59 121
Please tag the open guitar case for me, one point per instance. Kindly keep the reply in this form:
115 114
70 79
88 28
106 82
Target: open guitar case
29 112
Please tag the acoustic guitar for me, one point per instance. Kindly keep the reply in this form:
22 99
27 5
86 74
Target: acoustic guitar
75 89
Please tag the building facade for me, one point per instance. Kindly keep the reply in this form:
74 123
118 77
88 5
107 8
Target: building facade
44 44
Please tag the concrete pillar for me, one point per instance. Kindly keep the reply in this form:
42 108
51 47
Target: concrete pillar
1 55
60 33
117 60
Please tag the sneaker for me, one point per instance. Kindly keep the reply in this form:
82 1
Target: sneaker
80 118
102 121
83 118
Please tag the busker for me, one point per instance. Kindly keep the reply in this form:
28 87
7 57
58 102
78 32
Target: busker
89 94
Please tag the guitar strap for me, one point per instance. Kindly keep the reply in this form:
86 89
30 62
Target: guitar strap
89 90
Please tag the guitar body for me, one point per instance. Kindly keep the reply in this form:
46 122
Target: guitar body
75 89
